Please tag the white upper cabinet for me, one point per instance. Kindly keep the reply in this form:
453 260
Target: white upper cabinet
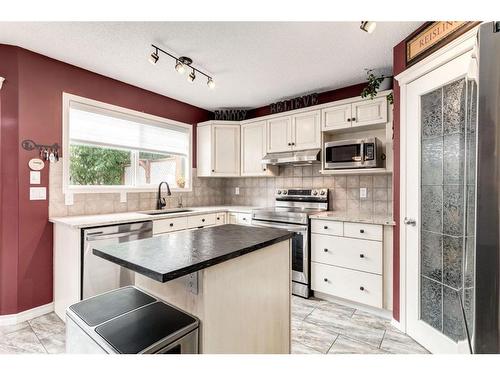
218 145
368 112
359 113
279 134
306 131
337 117
253 149
293 133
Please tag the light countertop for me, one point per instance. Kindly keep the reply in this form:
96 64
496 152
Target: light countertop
127 217
354 218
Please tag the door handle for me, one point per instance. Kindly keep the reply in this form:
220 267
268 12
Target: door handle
410 221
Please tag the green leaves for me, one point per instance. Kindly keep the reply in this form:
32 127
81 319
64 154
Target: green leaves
373 85
90 165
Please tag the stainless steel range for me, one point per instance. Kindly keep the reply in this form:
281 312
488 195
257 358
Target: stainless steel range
291 211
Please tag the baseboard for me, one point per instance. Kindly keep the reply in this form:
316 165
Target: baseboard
386 314
6 320
397 324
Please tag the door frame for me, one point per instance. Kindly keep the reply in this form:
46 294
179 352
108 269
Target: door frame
463 44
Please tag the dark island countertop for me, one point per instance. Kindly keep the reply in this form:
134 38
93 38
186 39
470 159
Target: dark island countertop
169 256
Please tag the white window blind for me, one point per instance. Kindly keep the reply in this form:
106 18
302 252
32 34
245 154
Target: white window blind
98 126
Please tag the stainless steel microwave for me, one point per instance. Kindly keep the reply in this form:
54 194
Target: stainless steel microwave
354 153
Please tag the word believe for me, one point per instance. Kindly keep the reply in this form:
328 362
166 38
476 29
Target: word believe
296 103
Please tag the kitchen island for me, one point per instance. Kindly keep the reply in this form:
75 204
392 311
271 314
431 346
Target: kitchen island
235 279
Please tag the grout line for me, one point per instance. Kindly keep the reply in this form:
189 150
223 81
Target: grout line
38 338
381 341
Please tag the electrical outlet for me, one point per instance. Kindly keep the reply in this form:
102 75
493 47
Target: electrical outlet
362 193
237 190
35 177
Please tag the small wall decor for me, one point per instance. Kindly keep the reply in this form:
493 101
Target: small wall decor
295 103
230 114
432 36
46 152
36 164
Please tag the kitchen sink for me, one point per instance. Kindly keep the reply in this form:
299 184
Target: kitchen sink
165 212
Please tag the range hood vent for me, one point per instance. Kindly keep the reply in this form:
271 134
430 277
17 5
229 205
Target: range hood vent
293 157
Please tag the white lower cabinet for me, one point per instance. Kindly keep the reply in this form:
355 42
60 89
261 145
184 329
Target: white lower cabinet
357 286
240 218
198 221
169 225
347 260
220 218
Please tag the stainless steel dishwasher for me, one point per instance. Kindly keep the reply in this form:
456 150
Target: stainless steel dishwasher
99 275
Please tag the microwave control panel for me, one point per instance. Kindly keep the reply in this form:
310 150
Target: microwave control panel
369 151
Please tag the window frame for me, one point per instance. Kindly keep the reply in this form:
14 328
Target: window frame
67 188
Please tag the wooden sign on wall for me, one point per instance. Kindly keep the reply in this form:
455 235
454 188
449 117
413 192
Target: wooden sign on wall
432 36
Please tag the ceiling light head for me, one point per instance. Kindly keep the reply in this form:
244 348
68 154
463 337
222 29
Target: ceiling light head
210 83
153 58
368 26
180 67
191 76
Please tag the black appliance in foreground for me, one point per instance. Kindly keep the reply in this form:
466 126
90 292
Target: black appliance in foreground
291 212
129 321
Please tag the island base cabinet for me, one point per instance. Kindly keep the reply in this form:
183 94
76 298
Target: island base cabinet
361 287
243 304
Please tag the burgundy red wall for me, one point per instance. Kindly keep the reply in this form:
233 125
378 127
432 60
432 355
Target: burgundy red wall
31 108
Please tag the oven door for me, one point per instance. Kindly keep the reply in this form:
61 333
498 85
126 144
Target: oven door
300 248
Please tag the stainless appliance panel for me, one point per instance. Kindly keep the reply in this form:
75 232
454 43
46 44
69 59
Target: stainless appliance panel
353 153
99 275
486 336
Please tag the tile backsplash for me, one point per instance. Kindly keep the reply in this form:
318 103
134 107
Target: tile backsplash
344 191
254 191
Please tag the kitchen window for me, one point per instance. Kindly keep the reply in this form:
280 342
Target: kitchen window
109 148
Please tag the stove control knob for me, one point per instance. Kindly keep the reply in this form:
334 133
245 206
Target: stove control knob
322 192
314 192
285 192
279 192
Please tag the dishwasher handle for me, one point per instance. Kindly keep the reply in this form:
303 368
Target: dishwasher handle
97 237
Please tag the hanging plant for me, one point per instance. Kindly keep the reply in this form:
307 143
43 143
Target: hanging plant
373 85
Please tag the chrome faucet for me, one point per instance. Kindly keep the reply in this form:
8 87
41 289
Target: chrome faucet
160 202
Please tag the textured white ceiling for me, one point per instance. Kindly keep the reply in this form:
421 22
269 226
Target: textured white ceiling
253 63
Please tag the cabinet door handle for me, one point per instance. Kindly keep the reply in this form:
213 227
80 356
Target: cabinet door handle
325 227
218 218
213 170
202 220
171 224
293 143
348 120
325 280
353 119
289 144
325 250
361 288
361 255
264 169
361 231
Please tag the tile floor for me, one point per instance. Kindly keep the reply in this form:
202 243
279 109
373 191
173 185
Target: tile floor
317 327
320 327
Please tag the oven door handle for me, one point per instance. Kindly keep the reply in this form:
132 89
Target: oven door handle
291 228
362 152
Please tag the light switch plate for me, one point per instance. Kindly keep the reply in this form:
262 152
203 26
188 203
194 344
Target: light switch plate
237 190
35 177
362 193
38 193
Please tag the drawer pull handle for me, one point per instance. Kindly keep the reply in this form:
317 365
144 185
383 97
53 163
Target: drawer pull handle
202 220
361 288
353 119
325 250
361 255
171 224
361 231
245 218
325 280
218 218
325 227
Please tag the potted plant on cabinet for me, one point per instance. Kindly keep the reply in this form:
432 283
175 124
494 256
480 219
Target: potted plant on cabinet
376 84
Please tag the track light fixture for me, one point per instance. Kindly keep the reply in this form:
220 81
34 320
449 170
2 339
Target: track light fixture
210 83
191 77
181 65
368 26
153 58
